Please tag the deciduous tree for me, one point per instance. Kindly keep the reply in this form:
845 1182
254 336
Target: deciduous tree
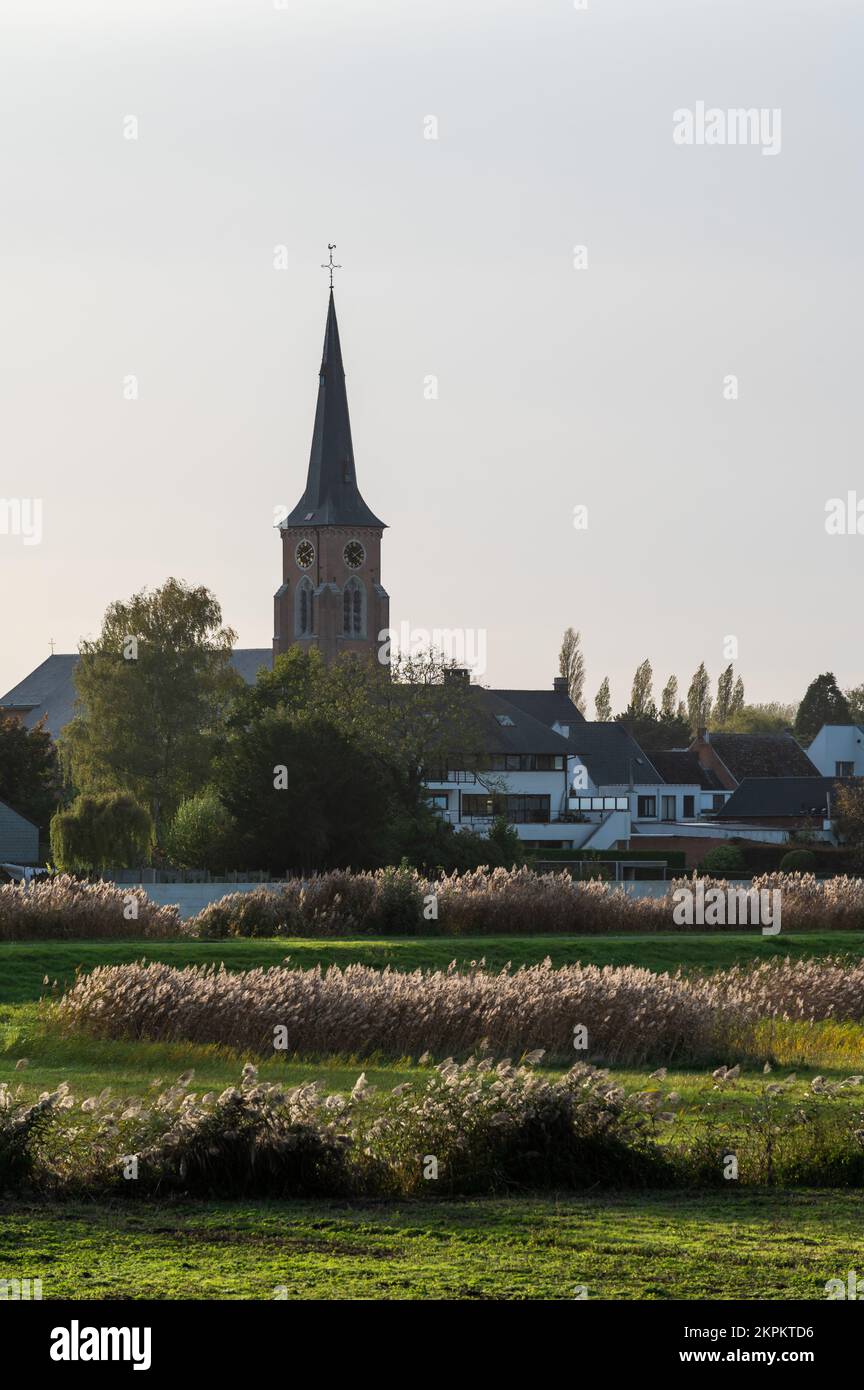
152 690
29 776
571 664
603 702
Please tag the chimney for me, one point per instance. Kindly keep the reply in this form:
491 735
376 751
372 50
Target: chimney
559 685
457 675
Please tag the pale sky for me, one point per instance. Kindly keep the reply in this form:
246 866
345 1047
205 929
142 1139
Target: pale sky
263 126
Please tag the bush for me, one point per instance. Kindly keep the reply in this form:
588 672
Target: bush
802 859
723 859
492 1128
22 1130
259 912
251 1140
66 908
98 832
202 833
398 905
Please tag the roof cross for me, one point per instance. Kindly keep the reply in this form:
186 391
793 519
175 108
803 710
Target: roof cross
331 266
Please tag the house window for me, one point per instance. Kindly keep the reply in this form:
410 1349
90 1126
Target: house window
668 805
352 609
718 802
516 809
646 807
844 769
439 801
689 806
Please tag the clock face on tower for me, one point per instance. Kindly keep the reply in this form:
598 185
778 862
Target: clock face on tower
353 555
304 554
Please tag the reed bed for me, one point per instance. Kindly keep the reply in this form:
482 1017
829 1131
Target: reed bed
620 1015
67 908
401 902
499 902
475 1126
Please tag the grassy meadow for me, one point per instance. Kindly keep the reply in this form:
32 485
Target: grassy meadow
775 1244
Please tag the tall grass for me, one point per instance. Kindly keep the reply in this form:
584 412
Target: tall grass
499 902
65 908
401 902
622 1015
477 1126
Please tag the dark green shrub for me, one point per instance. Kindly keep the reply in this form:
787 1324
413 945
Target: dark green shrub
723 859
802 860
201 834
337 904
398 907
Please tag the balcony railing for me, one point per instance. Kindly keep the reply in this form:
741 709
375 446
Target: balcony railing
517 818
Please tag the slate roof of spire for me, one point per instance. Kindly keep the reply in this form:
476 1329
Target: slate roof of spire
332 497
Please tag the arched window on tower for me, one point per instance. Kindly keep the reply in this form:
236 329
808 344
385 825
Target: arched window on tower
304 618
353 609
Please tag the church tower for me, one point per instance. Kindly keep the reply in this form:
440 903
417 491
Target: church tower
331 595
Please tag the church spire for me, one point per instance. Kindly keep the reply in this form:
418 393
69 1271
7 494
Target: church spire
332 497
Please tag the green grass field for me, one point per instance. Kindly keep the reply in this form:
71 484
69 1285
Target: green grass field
736 1245
24 964
634 1246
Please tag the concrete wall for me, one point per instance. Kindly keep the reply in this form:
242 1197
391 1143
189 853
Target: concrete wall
192 897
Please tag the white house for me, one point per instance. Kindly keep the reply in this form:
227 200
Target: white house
838 750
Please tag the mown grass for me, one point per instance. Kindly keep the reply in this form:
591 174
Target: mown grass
24 964
729 1245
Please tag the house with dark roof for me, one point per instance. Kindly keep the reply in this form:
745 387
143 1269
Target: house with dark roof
736 756
568 782
49 692
789 803
838 750
529 763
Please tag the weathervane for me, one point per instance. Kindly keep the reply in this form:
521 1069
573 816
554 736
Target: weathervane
331 247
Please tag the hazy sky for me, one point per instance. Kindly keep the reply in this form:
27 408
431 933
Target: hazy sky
290 125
